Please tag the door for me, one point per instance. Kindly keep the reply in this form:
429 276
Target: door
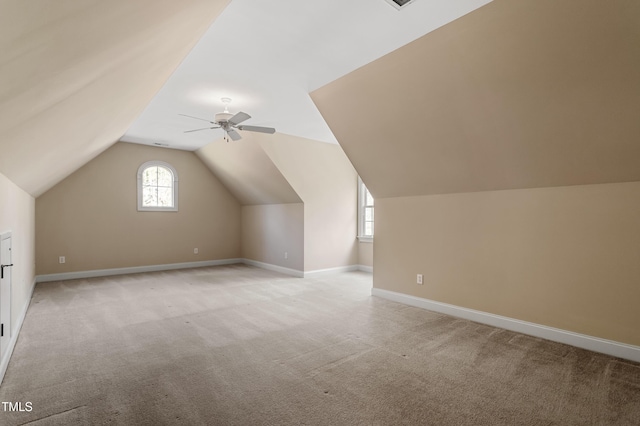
5 292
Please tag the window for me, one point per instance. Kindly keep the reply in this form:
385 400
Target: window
157 187
365 213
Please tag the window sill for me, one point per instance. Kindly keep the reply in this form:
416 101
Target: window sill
157 209
365 239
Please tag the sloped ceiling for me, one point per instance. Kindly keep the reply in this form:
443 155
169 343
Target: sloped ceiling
278 168
247 171
533 93
273 53
315 170
74 75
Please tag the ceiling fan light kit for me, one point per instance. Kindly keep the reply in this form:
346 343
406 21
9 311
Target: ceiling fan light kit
230 122
222 116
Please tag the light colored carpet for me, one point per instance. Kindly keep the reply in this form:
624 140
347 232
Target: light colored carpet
237 345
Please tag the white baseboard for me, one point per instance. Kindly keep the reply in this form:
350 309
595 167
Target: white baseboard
307 274
609 347
133 270
4 363
275 268
154 268
329 271
365 268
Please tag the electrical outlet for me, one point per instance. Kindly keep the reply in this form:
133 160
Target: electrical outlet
286 255
195 251
419 279
62 259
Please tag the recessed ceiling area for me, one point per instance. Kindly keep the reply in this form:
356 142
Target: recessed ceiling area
268 56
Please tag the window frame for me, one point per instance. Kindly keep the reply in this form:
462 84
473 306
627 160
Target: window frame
362 191
174 173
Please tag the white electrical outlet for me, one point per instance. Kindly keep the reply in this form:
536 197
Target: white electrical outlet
195 251
61 259
419 279
286 255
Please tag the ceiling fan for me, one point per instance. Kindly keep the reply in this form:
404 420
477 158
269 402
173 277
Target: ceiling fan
230 122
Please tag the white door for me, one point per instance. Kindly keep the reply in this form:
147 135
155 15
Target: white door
5 292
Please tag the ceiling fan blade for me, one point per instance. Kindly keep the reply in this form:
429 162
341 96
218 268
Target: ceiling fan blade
239 118
204 128
260 129
197 118
235 136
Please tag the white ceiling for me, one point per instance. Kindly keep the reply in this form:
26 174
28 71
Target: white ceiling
268 55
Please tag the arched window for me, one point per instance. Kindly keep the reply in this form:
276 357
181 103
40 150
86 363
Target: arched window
157 187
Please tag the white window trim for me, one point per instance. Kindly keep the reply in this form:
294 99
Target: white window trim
361 194
142 208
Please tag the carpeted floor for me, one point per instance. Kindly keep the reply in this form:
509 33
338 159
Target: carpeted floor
237 345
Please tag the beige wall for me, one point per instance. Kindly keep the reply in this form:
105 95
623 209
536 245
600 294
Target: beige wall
565 257
269 231
17 214
365 254
91 216
515 95
325 180
283 170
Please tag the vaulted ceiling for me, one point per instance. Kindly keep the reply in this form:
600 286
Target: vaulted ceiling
268 55
512 95
77 76
74 75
